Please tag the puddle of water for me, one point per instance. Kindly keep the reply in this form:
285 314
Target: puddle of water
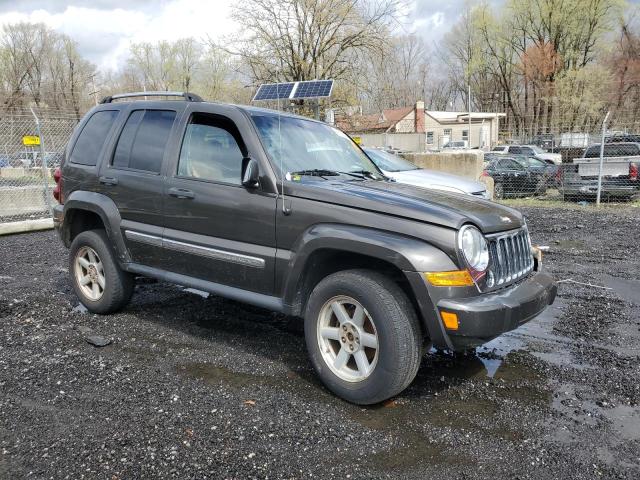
533 336
626 421
214 374
628 290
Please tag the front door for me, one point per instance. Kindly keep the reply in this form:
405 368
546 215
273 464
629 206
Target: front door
215 228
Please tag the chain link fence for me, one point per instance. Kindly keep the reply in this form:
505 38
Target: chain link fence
597 163
32 145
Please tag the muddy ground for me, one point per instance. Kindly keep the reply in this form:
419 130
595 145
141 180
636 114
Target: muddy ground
195 387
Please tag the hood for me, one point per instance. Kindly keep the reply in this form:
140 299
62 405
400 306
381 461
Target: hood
392 198
440 180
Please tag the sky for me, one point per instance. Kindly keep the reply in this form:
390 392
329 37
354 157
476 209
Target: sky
104 29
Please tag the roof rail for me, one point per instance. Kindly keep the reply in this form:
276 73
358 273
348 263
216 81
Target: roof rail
189 97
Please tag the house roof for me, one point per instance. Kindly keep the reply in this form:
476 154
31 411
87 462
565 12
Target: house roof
385 120
444 117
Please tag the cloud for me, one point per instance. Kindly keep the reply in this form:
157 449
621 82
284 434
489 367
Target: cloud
105 29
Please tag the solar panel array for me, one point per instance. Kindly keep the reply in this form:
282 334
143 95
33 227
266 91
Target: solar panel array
294 90
313 89
274 91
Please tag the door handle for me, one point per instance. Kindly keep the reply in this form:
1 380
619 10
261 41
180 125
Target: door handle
108 180
181 193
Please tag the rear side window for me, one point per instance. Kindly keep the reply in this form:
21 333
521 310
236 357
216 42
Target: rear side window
92 138
613 150
143 140
509 164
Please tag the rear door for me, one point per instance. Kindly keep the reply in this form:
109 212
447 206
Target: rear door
132 179
216 229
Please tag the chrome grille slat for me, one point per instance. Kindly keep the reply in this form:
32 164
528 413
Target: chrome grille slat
510 256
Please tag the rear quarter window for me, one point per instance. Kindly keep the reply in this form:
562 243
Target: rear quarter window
92 138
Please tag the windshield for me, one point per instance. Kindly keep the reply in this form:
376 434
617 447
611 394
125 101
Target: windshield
299 145
387 161
530 162
536 150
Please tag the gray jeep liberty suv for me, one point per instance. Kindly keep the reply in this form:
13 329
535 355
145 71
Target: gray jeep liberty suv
289 214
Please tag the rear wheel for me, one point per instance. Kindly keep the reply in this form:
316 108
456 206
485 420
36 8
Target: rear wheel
363 336
101 285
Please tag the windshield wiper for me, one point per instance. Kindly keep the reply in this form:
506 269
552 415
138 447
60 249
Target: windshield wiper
362 174
316 172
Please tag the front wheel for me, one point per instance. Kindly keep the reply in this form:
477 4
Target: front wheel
363 336
498 191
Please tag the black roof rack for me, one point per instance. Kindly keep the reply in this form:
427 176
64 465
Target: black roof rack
189 97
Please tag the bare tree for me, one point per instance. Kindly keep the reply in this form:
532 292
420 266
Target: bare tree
309 39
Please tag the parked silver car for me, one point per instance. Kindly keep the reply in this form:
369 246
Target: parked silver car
403 171
530 151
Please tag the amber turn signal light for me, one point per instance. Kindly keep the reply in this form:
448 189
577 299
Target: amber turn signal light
455 278
450 320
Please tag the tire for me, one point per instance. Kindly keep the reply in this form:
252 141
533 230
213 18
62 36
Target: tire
387 313
498 191
115 286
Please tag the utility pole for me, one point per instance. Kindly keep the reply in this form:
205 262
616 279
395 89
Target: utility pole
469 108
93 86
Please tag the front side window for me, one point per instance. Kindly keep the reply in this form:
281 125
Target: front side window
211 151
92 138
143 140
297 145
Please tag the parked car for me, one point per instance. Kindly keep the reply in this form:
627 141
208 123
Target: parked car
511 178
404 171
23 159
456 145
288 213
546 170
622 138
546 141
530 151
619 172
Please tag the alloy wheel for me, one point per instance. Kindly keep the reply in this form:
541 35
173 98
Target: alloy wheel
348 339
89 273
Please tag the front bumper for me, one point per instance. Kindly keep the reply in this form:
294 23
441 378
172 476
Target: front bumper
482 317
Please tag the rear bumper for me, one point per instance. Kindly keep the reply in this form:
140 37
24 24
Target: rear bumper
58 216
486 316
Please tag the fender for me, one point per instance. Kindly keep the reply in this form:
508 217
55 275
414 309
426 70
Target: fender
406 253
108 212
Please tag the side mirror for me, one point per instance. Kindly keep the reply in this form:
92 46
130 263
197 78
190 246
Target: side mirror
250 173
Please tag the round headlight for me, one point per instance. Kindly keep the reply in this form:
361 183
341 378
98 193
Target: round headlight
474 248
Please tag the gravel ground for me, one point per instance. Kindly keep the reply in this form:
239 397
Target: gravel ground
200 387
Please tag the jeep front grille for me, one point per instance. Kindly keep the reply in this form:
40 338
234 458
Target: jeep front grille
510 256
